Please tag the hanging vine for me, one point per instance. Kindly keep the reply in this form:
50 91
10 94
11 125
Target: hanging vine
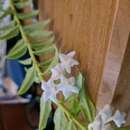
73 103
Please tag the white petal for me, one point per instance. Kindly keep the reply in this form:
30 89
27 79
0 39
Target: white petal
96 125
68 90
105 113
71 54
118 118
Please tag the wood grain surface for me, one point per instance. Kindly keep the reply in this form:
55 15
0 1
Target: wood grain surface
86 27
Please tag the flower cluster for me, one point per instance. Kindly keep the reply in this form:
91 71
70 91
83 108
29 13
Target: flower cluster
105 117
58 81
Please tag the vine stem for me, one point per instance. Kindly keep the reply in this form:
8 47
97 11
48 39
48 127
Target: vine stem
23 34
71 117
27 42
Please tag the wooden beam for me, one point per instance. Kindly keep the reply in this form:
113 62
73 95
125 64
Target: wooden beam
115 56
86 27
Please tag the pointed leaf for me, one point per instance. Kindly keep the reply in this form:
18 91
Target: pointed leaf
18 50
22 4
29 78
26 61
46 62
45 109
49 42
44 50
71 126
40 33
5 13
85 102
10 33
37 26
24 16
7 27
60 120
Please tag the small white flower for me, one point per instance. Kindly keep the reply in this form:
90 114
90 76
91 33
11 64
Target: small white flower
66 86
118 118
50 90
57 72
104 117
105 113
96 125
67 61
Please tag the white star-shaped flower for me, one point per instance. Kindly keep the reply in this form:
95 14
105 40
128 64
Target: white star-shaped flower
57 72
50 90
118 118
67 61
104 117
66 86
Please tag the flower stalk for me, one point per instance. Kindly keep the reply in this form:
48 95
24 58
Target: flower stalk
36 65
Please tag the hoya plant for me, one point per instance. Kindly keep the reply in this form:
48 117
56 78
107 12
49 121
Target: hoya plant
74 108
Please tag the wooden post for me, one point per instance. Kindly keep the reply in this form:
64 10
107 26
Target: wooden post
98 31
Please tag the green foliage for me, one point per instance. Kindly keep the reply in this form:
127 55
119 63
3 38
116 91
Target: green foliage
18 50
71 126
24 16
45 109
9 33
37 26
38 41
26 61
23 4
4 13
60 120
86 104
29 78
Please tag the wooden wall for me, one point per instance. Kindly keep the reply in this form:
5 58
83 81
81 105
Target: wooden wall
98 31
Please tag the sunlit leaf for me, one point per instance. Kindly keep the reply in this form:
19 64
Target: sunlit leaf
39 34
44 50
10 33
37 26
18 50
5 13
8 26
22 4
24 16
71 126
29 78
26 61
45 109
60 120
85 102
49 42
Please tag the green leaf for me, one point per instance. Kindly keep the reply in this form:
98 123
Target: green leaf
26 61
40 33
45 109
28 81
44 50
73 105
85 102
5 13
24 16
7 27
18 50
60 120
37 26
46 62
48 42
22 4
123 128
10 33
71 126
